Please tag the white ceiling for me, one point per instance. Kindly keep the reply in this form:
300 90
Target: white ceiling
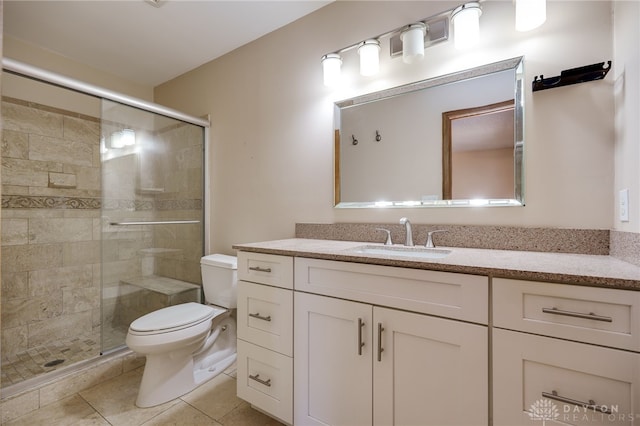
143 43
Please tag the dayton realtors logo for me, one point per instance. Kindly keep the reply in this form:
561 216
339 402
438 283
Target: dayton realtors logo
544 410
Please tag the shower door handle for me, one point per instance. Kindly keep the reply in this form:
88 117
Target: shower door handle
151 222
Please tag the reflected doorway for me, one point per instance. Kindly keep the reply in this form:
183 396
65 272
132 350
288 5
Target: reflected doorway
478 152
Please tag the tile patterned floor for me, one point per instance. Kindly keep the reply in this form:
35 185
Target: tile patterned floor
27 365
113 403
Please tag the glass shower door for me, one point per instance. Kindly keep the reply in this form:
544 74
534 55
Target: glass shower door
152 215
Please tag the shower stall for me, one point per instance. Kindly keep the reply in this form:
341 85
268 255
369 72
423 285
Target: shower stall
102 218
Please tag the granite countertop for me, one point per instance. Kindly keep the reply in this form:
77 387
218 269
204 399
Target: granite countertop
578 269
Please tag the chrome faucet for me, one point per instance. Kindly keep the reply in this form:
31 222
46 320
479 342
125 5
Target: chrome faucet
429 243
388 240
407 226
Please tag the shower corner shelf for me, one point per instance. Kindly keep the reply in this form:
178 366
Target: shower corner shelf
572 76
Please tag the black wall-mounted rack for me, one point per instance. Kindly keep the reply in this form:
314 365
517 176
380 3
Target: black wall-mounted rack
572 76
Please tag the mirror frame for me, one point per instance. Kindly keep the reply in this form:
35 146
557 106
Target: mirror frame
516 64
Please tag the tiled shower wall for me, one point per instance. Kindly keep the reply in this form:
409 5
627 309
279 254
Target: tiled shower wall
166 181
53 236
50 226
181 200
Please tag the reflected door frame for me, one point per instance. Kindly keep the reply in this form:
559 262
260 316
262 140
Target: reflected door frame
447 123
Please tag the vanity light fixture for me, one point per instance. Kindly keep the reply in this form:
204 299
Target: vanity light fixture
530 14
413 42
466 25
409 41
331 64
369 51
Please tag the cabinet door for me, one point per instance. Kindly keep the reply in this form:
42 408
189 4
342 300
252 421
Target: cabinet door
428 370
332 363
538 378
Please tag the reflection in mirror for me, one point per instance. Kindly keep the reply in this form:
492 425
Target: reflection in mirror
417 145
478 152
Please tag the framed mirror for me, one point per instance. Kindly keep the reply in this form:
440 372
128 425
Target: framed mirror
450 141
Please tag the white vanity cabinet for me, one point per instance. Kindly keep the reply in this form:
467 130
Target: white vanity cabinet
359 362
565 354
265 333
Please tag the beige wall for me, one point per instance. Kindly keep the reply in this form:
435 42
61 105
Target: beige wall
271 151
626 74
38 57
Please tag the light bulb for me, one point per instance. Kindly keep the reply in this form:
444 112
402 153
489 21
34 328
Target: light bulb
369 52
530 14
466 25
413 43
331 69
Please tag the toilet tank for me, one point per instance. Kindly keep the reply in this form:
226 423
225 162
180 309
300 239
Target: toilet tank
219 279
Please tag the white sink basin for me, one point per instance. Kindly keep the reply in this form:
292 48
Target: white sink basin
402 251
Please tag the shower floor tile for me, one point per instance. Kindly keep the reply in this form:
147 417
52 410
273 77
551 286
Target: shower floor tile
31 363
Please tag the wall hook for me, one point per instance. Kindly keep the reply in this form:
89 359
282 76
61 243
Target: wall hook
354 141
378 137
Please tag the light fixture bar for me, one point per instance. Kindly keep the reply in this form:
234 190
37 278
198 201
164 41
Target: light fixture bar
437 32
439 21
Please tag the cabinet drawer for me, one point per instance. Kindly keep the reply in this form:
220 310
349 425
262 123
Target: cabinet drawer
525 366
265 380
451 295
267 269
607 317
265 316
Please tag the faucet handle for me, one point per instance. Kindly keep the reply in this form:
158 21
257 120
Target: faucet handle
429 243
388 242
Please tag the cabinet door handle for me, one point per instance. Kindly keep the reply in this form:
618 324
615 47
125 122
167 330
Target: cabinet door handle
259 380
260 317
360 342
591 404
380 348
259 269
590 315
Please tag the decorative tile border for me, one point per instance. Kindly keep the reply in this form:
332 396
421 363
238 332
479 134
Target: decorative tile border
50 202
551 240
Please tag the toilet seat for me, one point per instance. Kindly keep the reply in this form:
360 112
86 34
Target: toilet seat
174 318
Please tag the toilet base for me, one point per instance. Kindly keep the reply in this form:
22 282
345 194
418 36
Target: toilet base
169 376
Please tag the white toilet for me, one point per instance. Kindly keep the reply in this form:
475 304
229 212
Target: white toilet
190 343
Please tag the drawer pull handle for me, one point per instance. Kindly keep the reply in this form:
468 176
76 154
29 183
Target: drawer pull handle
380 348
590 315
360 342
257 378
591 404
260 317
259 269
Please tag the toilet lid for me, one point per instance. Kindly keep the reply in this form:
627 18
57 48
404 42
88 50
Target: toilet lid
173 317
